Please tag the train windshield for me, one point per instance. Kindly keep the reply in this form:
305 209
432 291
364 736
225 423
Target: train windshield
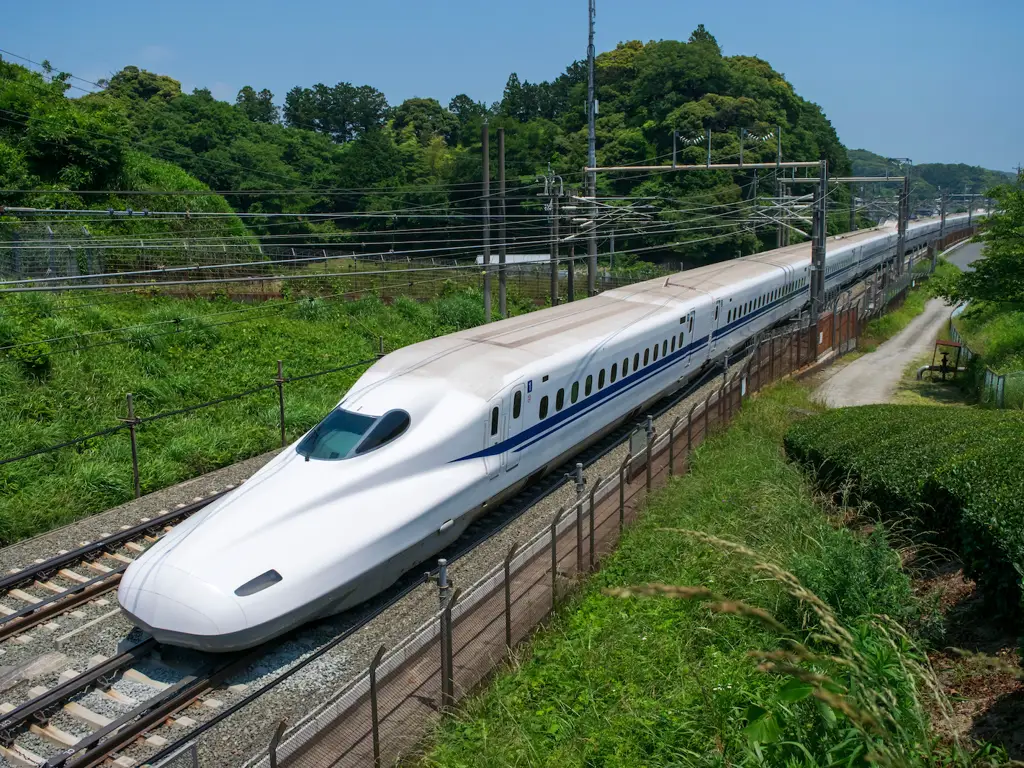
335 437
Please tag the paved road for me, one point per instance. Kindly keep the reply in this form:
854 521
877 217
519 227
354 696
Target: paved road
965 255
874 377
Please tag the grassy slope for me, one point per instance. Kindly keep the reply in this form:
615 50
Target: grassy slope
84 391
628 682
997 333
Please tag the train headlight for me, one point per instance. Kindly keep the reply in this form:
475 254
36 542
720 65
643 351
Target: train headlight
261 582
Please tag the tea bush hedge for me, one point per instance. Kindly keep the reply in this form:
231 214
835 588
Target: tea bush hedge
959 470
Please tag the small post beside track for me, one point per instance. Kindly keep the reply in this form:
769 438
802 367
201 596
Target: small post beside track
132 422
279 381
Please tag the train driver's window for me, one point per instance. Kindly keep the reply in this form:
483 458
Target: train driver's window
691 323
615 372
544 407
560 400
716 312
636 361
590 386
600 379
494 421
517 404
574 393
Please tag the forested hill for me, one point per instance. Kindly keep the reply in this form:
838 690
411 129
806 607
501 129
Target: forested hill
344 148
929 179
65 149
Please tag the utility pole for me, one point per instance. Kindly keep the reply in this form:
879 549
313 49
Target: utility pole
779 229
554 190
484 136
591 157
942 215
571 271
901 227
819 236
502 246
853 210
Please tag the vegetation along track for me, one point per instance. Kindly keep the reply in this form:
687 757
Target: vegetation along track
136 703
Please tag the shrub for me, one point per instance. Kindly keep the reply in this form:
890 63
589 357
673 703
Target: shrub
958 470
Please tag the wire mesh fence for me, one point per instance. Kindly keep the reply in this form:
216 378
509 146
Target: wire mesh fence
997 390
381 717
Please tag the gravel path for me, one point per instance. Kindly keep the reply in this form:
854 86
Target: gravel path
874 377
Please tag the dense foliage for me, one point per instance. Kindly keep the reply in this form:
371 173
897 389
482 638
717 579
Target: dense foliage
64 146
999 277
645 681
342 148
957 469
172 353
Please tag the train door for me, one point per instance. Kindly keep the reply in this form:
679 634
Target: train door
717 320
492 435
687 335
515 408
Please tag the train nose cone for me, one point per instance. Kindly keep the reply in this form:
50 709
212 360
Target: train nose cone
167 598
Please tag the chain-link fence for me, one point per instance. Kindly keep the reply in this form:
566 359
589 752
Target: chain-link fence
380 717
998 390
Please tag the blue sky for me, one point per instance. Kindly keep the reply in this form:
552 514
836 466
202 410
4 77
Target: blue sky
933 80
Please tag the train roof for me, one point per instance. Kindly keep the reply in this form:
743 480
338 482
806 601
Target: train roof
486 356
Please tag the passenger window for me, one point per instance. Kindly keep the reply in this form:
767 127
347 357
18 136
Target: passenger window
574 393
680 339
494 421
664 347
560 400
673 344
544 407
590 386
600 379
615 372
636 361
655 351
647 356
625 368
517 404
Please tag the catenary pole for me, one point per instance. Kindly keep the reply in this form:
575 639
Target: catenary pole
591 156
502 248
554 240
486 194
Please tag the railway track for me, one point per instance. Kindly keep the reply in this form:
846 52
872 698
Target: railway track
142 703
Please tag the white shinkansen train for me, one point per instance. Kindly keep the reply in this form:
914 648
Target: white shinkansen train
433 434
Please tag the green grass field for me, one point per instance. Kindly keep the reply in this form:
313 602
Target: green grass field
711 680
203 350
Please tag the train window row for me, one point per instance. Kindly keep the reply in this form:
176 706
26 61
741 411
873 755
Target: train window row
611 375
842 263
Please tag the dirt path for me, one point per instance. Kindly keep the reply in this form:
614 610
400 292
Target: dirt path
874 377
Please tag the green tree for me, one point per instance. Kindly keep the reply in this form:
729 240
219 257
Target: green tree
426 119
999 277
258 107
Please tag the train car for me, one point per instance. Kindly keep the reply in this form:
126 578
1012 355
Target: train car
435 433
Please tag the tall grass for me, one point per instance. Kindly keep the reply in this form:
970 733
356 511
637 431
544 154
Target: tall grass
50 392
996 332
797 664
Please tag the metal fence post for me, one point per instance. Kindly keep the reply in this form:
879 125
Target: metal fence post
672 446
622 491
279 732
771 358
131 421
649 449
447 655
374 716
279 381
689 429
593 491
444 588
581 484
707 408
554 555
508 596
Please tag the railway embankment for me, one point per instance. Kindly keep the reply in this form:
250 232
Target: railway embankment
734 623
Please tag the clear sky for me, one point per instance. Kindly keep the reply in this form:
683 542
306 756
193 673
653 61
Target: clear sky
933 80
